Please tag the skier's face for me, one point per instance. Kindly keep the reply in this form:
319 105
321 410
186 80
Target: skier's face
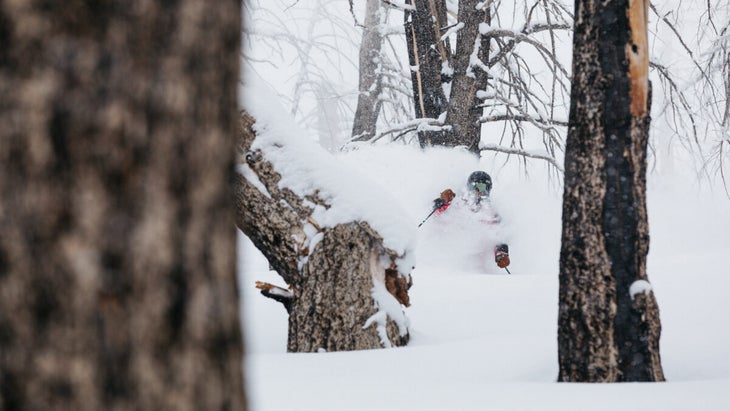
481 189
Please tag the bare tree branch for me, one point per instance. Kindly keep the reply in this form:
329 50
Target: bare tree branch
509 150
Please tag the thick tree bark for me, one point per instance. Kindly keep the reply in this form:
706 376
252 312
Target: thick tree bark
331 306
333 298
607 332
117 252
426 55
463 113
370 85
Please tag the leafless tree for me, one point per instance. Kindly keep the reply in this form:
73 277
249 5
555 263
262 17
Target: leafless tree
515 82
693 89
493 76
314 44
715 85
381 80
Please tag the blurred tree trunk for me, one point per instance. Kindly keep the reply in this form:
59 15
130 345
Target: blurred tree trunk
370 67
330 297
608 319
117 252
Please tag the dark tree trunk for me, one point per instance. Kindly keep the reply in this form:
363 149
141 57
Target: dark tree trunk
426 55
463 114
605 333
370 82
330 300
117 252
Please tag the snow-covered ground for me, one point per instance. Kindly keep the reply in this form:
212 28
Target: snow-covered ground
482 339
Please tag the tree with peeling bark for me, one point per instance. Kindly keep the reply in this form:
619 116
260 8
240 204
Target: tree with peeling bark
608 325
345 288
117 252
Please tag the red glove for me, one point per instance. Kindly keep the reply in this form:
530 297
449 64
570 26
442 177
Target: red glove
501 255
502 259
444 201
447 195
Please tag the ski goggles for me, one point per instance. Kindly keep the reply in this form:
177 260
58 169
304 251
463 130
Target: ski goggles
481 187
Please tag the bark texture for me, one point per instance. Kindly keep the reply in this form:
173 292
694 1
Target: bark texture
433 66
605 335
426 56
333 300
117 252
370 81
331 284
463 113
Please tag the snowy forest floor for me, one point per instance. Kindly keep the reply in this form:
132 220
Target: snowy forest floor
482 339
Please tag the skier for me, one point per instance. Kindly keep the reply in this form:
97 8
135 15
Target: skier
477 201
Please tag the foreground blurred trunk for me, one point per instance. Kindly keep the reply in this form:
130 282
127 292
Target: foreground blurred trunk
117 245
608 319
330 298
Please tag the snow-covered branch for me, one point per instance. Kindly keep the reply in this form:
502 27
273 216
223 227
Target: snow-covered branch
519 117
524 153
399 5
419 124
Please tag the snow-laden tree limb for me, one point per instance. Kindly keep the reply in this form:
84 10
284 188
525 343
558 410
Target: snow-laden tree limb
524 153
400 129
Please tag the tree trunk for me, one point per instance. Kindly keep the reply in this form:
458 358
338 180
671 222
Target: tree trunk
426 55
333 298
370 86
463 114
330 303
117 253
608 319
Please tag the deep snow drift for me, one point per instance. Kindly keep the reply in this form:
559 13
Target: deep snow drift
482 339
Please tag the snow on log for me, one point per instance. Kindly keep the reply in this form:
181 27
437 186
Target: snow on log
333 235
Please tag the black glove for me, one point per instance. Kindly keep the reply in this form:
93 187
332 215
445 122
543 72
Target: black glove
438 203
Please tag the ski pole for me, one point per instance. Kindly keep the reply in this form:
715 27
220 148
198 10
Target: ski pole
507 270
427 217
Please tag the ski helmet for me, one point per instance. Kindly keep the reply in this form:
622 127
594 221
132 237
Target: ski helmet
481 182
